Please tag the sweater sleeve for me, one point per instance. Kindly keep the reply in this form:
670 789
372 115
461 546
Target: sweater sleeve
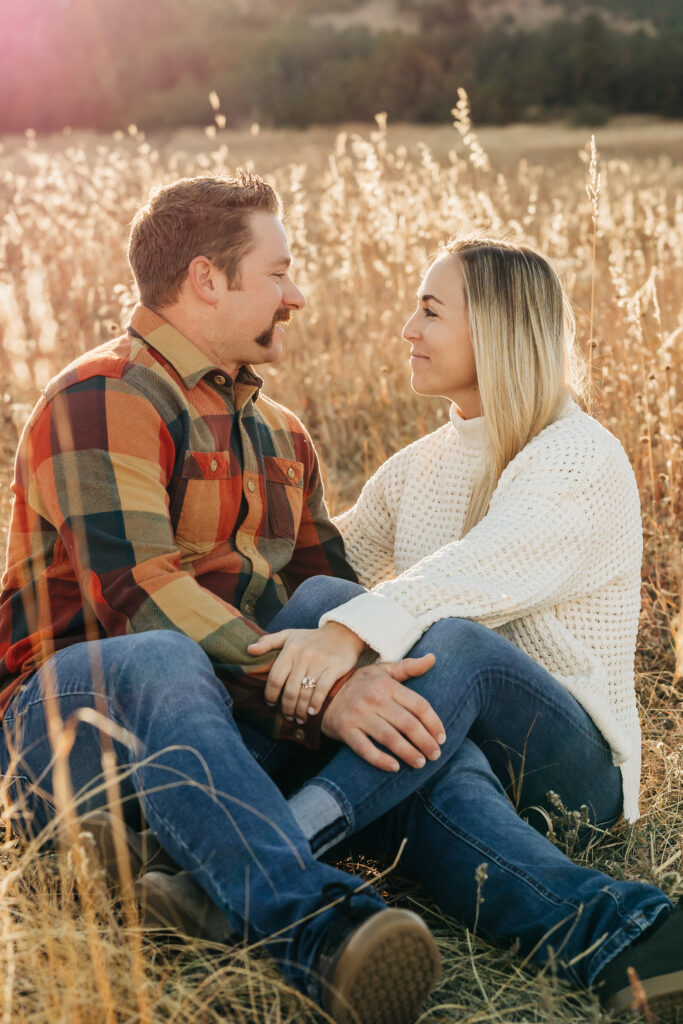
563 516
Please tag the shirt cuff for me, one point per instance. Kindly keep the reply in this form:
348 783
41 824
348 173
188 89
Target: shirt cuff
383 624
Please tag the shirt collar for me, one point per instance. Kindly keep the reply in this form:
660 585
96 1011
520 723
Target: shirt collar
190 364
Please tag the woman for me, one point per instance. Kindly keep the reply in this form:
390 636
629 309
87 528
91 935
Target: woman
508 544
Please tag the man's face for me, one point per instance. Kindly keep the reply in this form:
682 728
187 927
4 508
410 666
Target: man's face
250 316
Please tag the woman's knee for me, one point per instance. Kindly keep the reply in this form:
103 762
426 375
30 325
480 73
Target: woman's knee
319 594
468 638
461 662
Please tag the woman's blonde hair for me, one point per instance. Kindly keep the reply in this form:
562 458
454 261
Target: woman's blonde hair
523 333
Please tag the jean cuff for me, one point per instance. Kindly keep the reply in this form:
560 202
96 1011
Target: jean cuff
631 930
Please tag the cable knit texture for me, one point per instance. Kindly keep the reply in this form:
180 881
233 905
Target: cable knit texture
554 566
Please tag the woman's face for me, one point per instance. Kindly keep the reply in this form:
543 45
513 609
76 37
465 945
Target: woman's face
441 353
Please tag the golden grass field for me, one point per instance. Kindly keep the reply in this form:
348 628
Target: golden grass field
364 209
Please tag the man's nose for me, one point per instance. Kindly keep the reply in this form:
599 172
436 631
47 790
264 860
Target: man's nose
294 298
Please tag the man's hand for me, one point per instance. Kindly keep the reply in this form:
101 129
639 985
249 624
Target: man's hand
374 705
316 658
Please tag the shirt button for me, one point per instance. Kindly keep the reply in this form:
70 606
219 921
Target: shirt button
290 473
219 379
299 734
251 485
214 465
248 608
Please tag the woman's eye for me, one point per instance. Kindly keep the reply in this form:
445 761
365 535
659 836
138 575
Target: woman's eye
429 312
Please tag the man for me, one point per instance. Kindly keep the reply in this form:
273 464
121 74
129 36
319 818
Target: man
164 512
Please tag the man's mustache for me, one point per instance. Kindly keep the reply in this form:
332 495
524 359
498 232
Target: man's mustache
282 316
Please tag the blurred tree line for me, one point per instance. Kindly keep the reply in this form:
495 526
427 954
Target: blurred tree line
102 65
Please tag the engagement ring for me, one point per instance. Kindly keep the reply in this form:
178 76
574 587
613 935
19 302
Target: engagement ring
308 683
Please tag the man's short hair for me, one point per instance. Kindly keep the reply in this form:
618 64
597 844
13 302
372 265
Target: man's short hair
203 216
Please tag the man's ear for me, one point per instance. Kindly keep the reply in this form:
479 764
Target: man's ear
202 279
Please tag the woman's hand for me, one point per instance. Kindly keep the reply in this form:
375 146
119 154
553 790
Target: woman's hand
308 665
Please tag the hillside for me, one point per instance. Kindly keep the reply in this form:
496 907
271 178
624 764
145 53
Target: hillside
526 15
78 64
531 15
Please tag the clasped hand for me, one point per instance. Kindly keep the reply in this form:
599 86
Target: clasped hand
372 707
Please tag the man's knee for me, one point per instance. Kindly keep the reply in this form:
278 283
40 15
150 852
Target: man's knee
160 664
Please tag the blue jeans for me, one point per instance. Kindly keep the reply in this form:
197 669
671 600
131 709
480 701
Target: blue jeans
210 804
218 814
514 735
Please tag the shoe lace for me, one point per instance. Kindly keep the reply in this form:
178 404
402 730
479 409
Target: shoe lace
333 890
347 914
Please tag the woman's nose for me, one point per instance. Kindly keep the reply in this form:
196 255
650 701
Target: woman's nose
410 330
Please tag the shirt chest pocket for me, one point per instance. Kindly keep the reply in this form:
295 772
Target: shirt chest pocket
207 501
284 489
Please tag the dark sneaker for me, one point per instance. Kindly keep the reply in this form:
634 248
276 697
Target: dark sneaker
176 903
658 962
379 971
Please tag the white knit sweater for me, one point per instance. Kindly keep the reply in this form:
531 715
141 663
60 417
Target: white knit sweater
554 565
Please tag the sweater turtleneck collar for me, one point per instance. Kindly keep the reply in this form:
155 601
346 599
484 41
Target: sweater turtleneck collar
472 432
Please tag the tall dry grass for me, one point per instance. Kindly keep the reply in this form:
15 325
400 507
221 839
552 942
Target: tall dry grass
364 211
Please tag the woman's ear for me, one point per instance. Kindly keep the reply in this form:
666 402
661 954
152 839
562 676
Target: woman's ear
201 277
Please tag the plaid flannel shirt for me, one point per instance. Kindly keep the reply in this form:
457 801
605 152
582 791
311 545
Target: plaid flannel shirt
153 493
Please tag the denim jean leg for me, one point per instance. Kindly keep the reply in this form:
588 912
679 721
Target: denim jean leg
539 739
311 599
26 753
490 869
211 806
483 685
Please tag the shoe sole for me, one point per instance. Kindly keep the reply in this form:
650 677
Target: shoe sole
385 972
664 994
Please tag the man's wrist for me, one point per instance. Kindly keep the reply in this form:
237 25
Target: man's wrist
330 697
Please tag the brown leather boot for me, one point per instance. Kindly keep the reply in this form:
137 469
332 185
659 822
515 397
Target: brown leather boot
176 903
